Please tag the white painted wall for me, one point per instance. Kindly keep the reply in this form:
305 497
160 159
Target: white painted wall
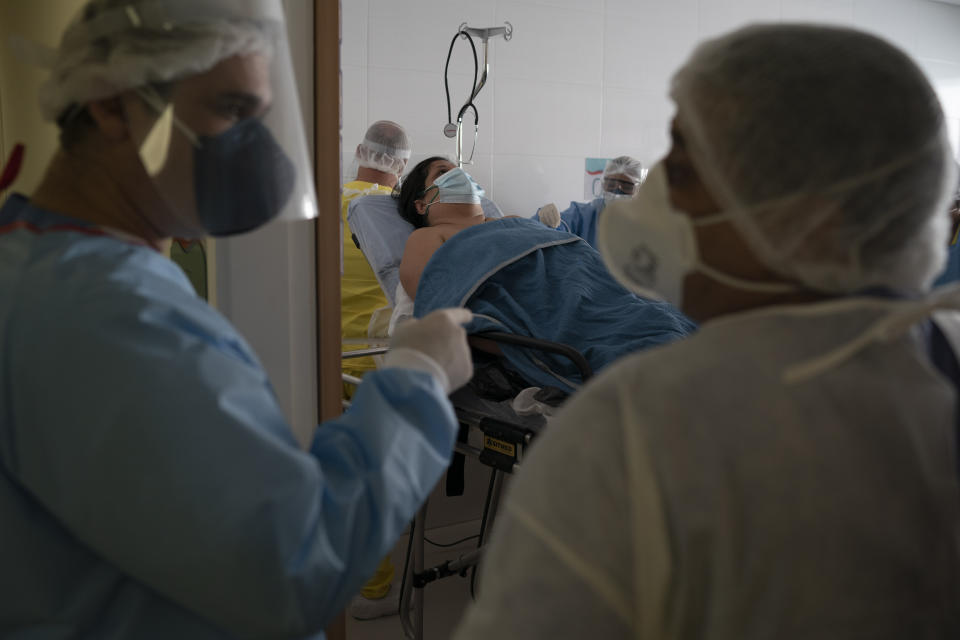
580 77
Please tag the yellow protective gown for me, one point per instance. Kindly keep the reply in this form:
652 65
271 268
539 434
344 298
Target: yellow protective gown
361 296
360 299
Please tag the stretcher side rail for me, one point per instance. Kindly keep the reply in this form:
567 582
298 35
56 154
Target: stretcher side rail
516 339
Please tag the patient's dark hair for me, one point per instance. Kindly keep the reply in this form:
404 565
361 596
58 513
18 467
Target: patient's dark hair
412 190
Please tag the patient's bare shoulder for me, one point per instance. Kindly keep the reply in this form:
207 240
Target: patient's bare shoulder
421 245
424 240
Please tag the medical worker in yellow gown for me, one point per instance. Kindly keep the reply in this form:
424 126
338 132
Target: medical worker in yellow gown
364 310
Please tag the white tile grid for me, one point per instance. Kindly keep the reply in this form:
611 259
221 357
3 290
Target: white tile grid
817 11
893 20
353 118
555 97
621 132
722 16
416 34
635 124
624 65
953 131
939 31
354 18
523 183
945 78
551 44
650 8
593 6
546 118
642 53
656 136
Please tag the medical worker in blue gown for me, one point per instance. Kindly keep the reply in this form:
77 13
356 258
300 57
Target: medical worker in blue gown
621 180
791 470
150 486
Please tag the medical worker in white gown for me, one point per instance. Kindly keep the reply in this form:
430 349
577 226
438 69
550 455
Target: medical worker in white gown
790 471
150 486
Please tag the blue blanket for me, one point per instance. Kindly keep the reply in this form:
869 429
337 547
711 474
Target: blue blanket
517 275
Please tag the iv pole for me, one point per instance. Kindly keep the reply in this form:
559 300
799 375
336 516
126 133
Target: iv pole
456 130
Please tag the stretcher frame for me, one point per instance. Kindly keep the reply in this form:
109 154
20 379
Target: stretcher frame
503 444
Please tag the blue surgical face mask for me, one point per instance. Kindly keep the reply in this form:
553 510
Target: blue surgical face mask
242 178
456 186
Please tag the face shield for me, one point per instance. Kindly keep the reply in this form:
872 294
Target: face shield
224 144
619 186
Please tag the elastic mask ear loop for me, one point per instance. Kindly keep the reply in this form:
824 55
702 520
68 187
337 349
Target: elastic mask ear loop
426 208
734 281
885 329
744 285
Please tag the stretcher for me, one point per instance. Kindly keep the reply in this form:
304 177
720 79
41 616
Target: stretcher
490 430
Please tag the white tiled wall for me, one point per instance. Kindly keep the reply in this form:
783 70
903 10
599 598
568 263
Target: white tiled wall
580 77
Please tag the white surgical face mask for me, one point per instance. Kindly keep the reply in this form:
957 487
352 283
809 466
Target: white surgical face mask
609 196
650 247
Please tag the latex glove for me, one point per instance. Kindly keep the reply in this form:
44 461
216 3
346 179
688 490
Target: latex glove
402 310
436 344
549 215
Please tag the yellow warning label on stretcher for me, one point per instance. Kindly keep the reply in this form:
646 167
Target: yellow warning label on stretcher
499 446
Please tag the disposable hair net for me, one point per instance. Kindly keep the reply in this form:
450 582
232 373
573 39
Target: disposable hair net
624 165
97 58
828 149
385 147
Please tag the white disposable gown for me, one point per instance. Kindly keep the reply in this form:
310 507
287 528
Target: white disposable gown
150 486
689 492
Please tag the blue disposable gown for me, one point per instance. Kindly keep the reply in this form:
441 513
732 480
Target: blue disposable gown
150 486
581 219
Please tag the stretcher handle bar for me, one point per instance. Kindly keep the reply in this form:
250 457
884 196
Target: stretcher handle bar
361 353
447 569
586 371
467 449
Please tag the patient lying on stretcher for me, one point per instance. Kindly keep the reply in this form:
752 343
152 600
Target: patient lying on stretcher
519 276
438 200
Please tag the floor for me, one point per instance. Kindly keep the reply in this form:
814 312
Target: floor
445 599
